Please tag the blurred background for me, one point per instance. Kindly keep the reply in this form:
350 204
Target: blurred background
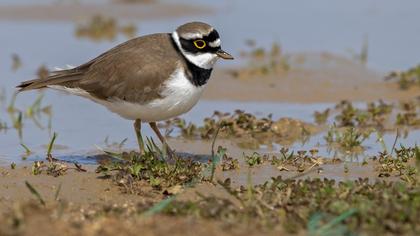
337 42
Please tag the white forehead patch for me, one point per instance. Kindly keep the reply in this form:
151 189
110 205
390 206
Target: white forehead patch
195 35
215 43
192 36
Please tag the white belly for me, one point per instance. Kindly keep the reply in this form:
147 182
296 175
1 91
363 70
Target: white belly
179 97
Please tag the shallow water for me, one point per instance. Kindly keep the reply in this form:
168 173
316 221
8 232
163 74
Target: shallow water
81 134
311 26
79 131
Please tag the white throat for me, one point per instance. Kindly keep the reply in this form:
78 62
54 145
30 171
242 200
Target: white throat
203 60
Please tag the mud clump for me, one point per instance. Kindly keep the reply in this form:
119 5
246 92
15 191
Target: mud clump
247 130
102 28
375 115
262 62
290 130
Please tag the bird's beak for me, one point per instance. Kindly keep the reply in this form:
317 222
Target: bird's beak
222 54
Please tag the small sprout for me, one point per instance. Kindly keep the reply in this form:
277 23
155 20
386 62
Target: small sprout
349 139
57 192
11 108
50 146
27 150
36 167
228 163
35 193
313 152
254 159
13 166
160 206
406 79
285 155
301 153
321 117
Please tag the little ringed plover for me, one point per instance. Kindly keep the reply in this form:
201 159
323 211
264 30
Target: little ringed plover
146 79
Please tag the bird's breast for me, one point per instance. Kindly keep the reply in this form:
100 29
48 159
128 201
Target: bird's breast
178 96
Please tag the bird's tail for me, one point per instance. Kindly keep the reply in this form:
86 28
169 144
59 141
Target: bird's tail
57 78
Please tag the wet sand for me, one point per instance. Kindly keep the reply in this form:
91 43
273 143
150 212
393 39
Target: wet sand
85 188
332 80
84 194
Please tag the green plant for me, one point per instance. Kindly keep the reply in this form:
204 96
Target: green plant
254 159
348 139
153 167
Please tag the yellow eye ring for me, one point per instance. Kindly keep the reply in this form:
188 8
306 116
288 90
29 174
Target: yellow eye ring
200 44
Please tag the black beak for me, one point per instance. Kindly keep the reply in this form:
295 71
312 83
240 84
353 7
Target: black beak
224 55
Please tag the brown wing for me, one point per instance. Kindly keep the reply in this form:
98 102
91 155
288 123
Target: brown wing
133 71
57 78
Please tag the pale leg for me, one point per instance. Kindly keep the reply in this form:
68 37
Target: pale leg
161 137
137 128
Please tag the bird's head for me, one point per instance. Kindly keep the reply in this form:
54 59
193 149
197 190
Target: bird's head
200 44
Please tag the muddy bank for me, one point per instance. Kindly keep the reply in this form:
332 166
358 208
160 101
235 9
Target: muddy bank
84 203
78 188
227 191
91 204
77 12
85 188
317 78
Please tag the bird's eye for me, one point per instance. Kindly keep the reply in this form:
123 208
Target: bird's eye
200 44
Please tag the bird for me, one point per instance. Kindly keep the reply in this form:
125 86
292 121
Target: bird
147 79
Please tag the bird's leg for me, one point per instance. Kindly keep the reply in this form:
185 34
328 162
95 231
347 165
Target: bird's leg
161 138
137 128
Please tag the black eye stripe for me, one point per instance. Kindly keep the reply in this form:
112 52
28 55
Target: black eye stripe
214 35
188 44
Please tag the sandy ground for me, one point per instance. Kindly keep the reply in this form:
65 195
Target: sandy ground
87 188
84 194
77 12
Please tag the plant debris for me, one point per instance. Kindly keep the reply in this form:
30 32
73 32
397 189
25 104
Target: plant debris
406 79
403 164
